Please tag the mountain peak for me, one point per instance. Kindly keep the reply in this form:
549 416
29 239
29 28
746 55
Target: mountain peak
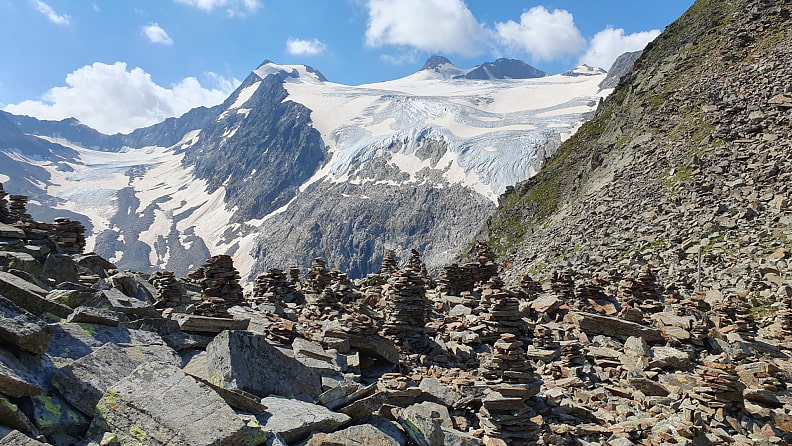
584 70
435 62
303 72
505 69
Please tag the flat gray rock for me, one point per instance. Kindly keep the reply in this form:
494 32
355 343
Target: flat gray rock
8 231
73 341
23 329
246 361
615 327
17 379
160 405
84 382
16 438
294 420
11 416
29 296
57 419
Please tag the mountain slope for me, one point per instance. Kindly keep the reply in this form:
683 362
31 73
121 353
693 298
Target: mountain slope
692 151
292 166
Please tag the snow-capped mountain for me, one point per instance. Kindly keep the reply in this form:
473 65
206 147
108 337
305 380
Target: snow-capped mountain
292 166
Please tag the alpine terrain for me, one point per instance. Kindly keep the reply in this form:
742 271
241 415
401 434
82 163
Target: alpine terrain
292 166
635 291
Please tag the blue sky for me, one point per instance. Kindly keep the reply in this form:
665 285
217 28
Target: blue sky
120 64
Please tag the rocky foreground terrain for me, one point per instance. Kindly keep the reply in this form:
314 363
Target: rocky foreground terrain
642 296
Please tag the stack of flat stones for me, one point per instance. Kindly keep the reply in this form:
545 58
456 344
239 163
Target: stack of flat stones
735 318
484 265
5 215
271 287
500 311
453 280
70 235
406 310
721 388
318 277
389 265
220 289
342 287
544 338
561 284
572 355
18 207
505 413
170 293
530 287
416 264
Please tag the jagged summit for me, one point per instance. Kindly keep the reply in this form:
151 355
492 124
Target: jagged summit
584 70
302 72
435 62
505 69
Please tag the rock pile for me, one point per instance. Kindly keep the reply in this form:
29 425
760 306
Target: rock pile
70 235
318 277
18 207
406 311
4 212
220 289
389 264
170 292
274 287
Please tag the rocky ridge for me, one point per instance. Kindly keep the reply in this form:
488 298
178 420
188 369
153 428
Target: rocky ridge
87 353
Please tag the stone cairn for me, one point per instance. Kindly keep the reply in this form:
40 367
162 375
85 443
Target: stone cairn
453 280
5 214
590 296
500 311
416 264
561 284
641 293
406 311
18 207
70 235
505 413
220 289
530 287
170 293
389 265
272 287
721 387
318 277
484 266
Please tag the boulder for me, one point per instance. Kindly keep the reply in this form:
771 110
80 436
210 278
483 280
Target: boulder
60 268
22 329
83 382
614 327
29 296
11 416
294 420
133 285
73 341
17 379
158 404
670 357
94 263
21 261
16 438
438 392
423 423
8 231
93 315
206 324
360 435
57 419
246 361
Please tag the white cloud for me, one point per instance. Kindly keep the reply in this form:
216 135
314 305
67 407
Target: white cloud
112 99
610 43
233 8
156 34
299 47
428 25
52 16
543 34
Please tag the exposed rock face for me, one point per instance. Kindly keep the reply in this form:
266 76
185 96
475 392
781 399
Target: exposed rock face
621 66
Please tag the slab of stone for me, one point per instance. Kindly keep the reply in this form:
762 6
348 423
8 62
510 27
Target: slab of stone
22 328
74 298
130 306
61 268
93 315
206 324
29 296
246 361
438 392
670 357
453 437
373 346
57 419
198 368
360 435
294 420
158 404
365 406
8 231
21 261
83 382
12 417
16 438
614 327
420 423
344 393
73 341
17 379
